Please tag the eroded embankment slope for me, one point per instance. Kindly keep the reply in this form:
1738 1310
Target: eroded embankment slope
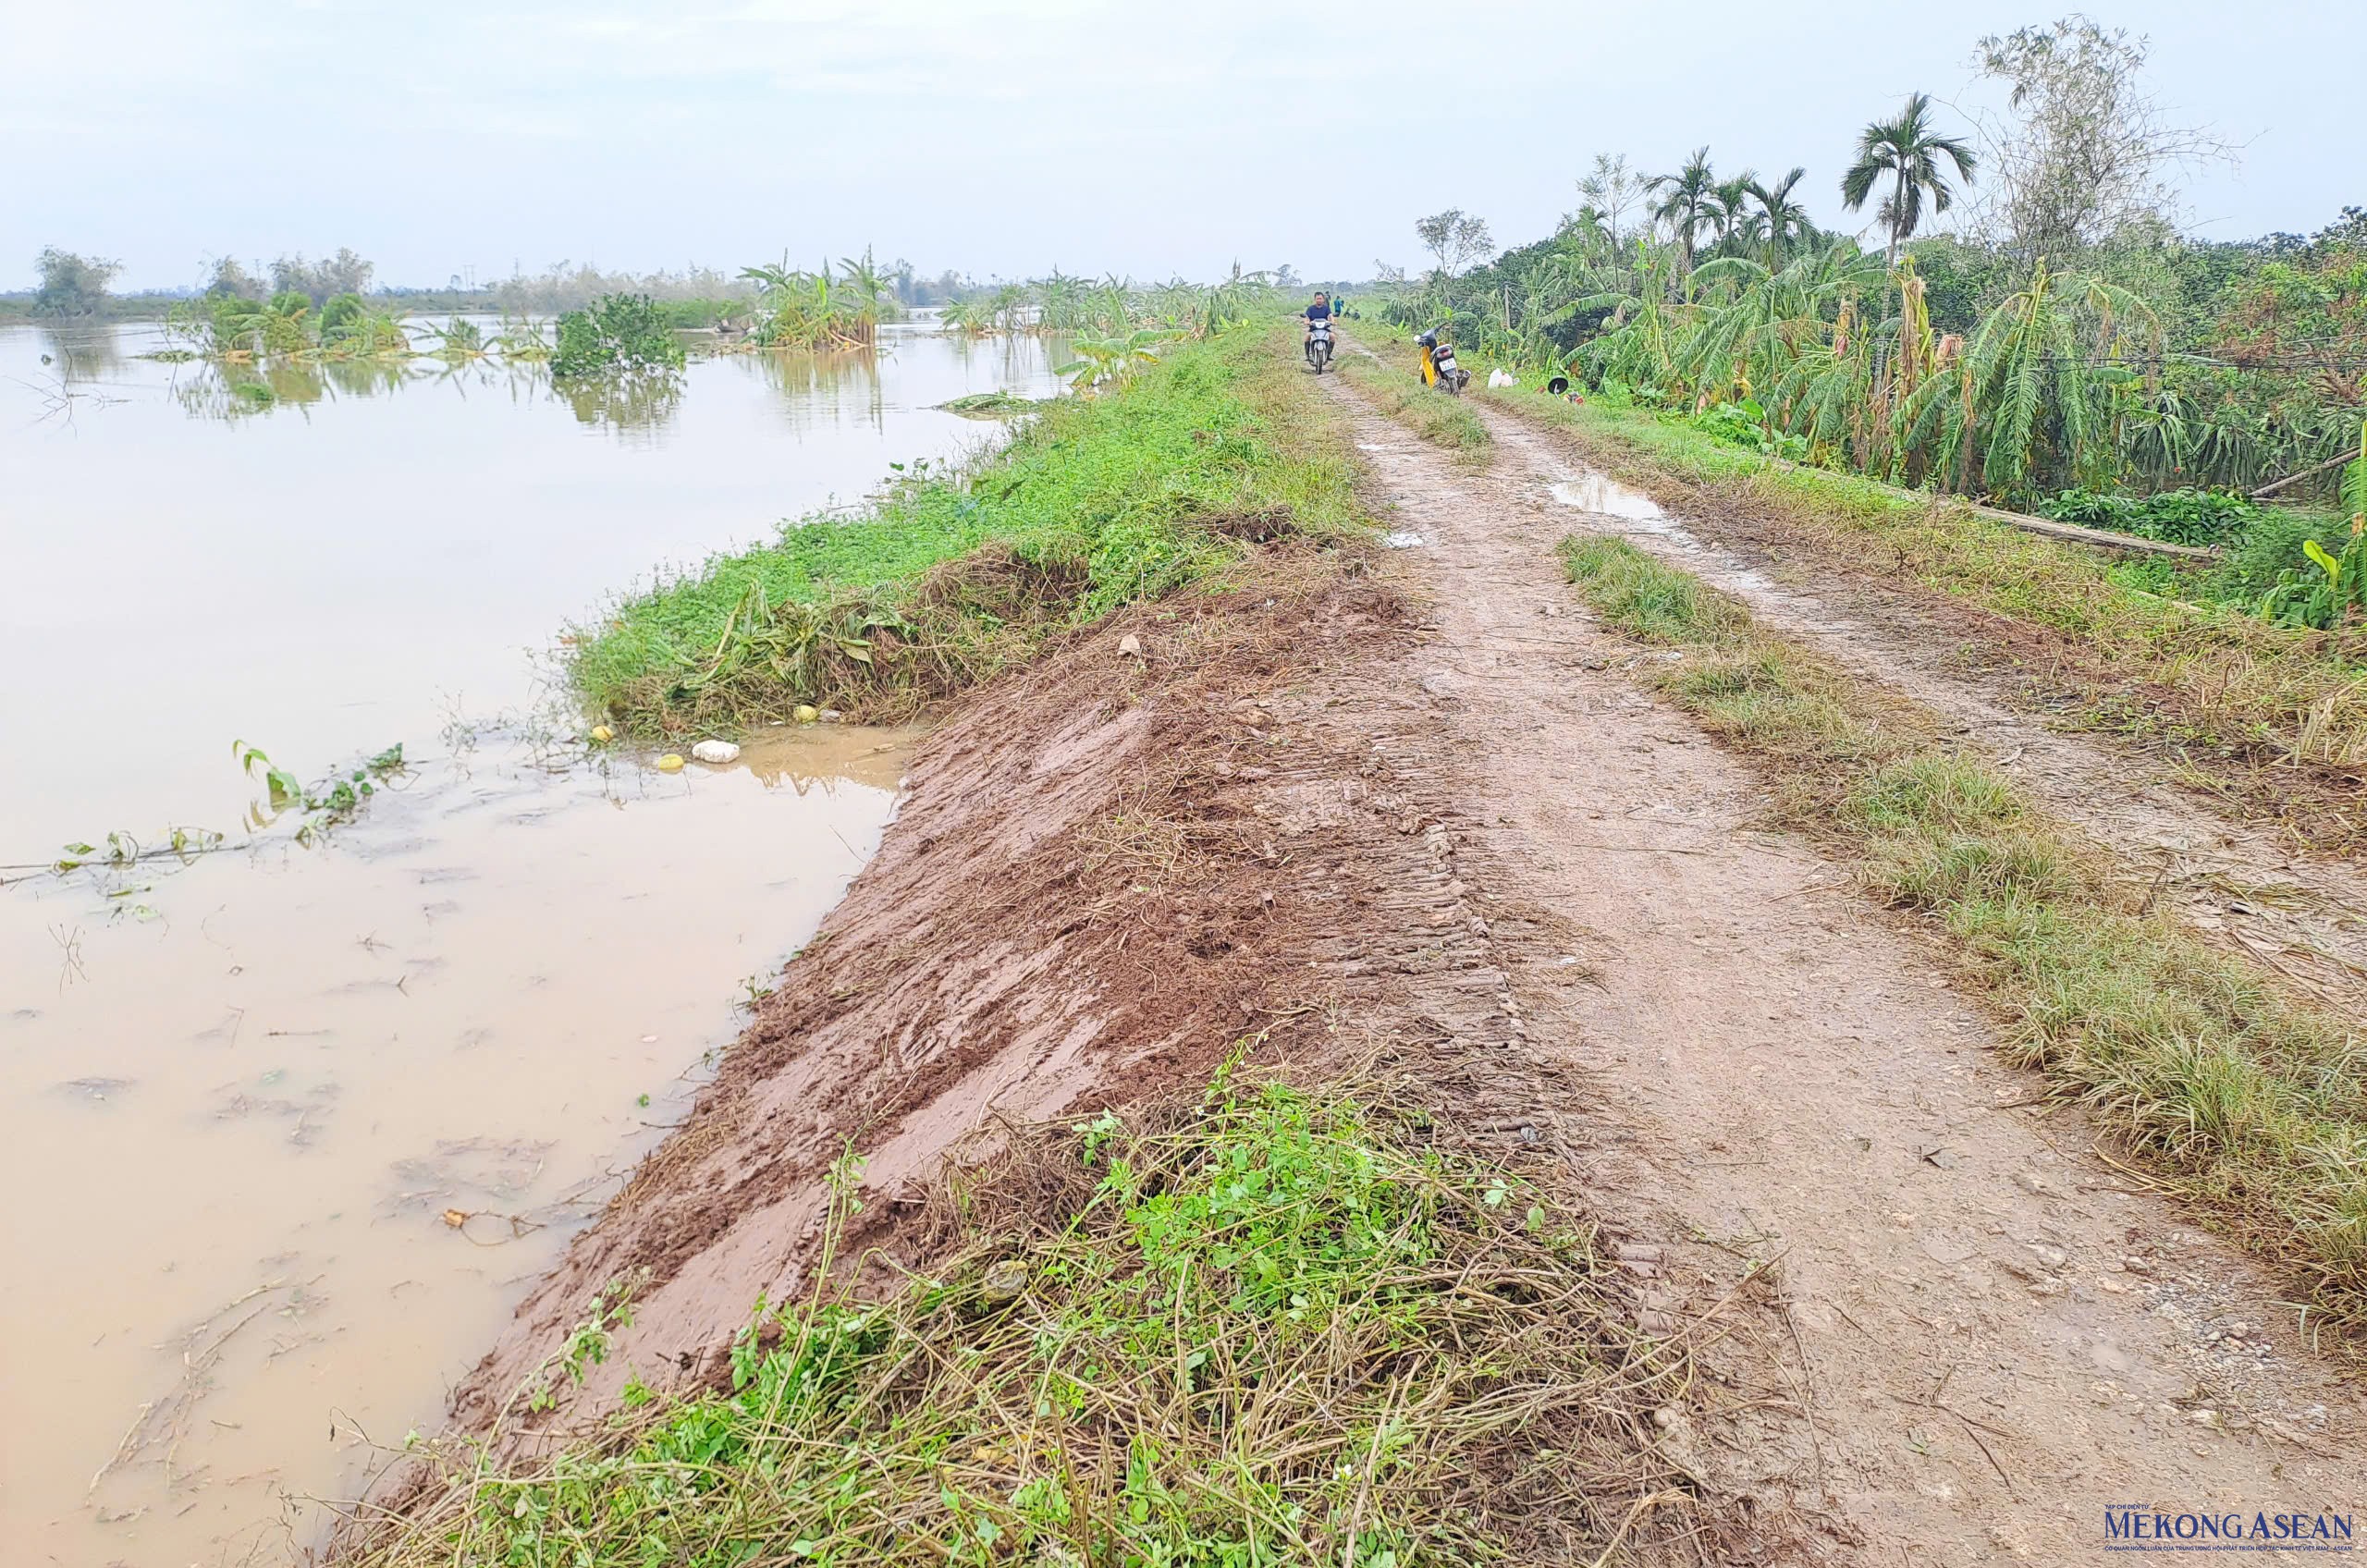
1081 898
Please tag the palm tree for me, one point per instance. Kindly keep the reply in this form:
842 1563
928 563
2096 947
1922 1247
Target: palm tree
1684 203
1727 211
1909 150
1782 221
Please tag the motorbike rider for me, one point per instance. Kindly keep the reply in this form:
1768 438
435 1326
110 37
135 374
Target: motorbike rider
1319 311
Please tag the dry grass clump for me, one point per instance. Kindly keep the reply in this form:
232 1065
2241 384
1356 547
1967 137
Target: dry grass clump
1437 417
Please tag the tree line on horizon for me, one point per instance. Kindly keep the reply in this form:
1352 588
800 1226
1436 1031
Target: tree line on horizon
2064 335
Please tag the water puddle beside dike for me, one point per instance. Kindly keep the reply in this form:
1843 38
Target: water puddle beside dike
1593 492
289 1131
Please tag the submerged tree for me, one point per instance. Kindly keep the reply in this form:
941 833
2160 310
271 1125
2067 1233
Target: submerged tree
1906 152
321 281
71 285
228 279
619 334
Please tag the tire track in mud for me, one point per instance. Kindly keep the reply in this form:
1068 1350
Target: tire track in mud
2245 886
2001 1333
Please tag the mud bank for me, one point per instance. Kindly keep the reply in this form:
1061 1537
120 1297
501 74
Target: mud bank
1099 878
1210 825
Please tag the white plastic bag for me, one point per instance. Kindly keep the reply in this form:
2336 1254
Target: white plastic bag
1500 377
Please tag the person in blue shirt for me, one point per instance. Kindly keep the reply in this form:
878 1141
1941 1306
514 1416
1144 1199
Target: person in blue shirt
1319 311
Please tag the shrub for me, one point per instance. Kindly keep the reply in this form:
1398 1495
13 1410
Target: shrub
618 333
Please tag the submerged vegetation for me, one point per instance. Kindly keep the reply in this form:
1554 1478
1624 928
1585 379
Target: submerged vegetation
1096 503
620 334
1113 309
819 310
1272 1326
2247 1099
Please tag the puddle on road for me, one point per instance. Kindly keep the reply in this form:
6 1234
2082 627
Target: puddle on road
1598 493
281 1159
1604 496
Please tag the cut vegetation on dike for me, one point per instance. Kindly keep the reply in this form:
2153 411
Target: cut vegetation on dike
2251 1101
1098 501
2203 676
1265 1327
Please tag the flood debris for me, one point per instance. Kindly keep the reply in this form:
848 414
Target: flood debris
160 1425
94 1090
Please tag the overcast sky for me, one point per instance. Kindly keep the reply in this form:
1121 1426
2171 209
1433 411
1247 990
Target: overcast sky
1004 137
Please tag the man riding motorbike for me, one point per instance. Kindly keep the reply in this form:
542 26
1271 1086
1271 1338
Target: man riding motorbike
1317 315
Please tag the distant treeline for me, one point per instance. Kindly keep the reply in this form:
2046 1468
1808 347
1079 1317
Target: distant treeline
73 286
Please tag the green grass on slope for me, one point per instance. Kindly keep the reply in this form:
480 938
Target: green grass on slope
2252 1101
1266 1327
1099 502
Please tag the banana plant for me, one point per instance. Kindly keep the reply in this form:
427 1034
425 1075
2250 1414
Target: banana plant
1104 360
2033 393
2338 595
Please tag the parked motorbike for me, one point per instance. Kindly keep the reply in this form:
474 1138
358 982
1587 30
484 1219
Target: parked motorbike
1319 344
1438 368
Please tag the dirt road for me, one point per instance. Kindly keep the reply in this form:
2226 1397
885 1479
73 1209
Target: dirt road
2251 885
2000 1334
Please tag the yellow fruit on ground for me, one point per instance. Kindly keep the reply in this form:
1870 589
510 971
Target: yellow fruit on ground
603 734
806 713
671 763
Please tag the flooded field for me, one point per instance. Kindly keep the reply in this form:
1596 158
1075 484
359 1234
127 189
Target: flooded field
288 1130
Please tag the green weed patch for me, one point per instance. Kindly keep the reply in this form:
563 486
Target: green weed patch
1267 1327
1096 502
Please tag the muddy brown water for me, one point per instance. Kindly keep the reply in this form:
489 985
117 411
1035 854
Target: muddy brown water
289 1131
